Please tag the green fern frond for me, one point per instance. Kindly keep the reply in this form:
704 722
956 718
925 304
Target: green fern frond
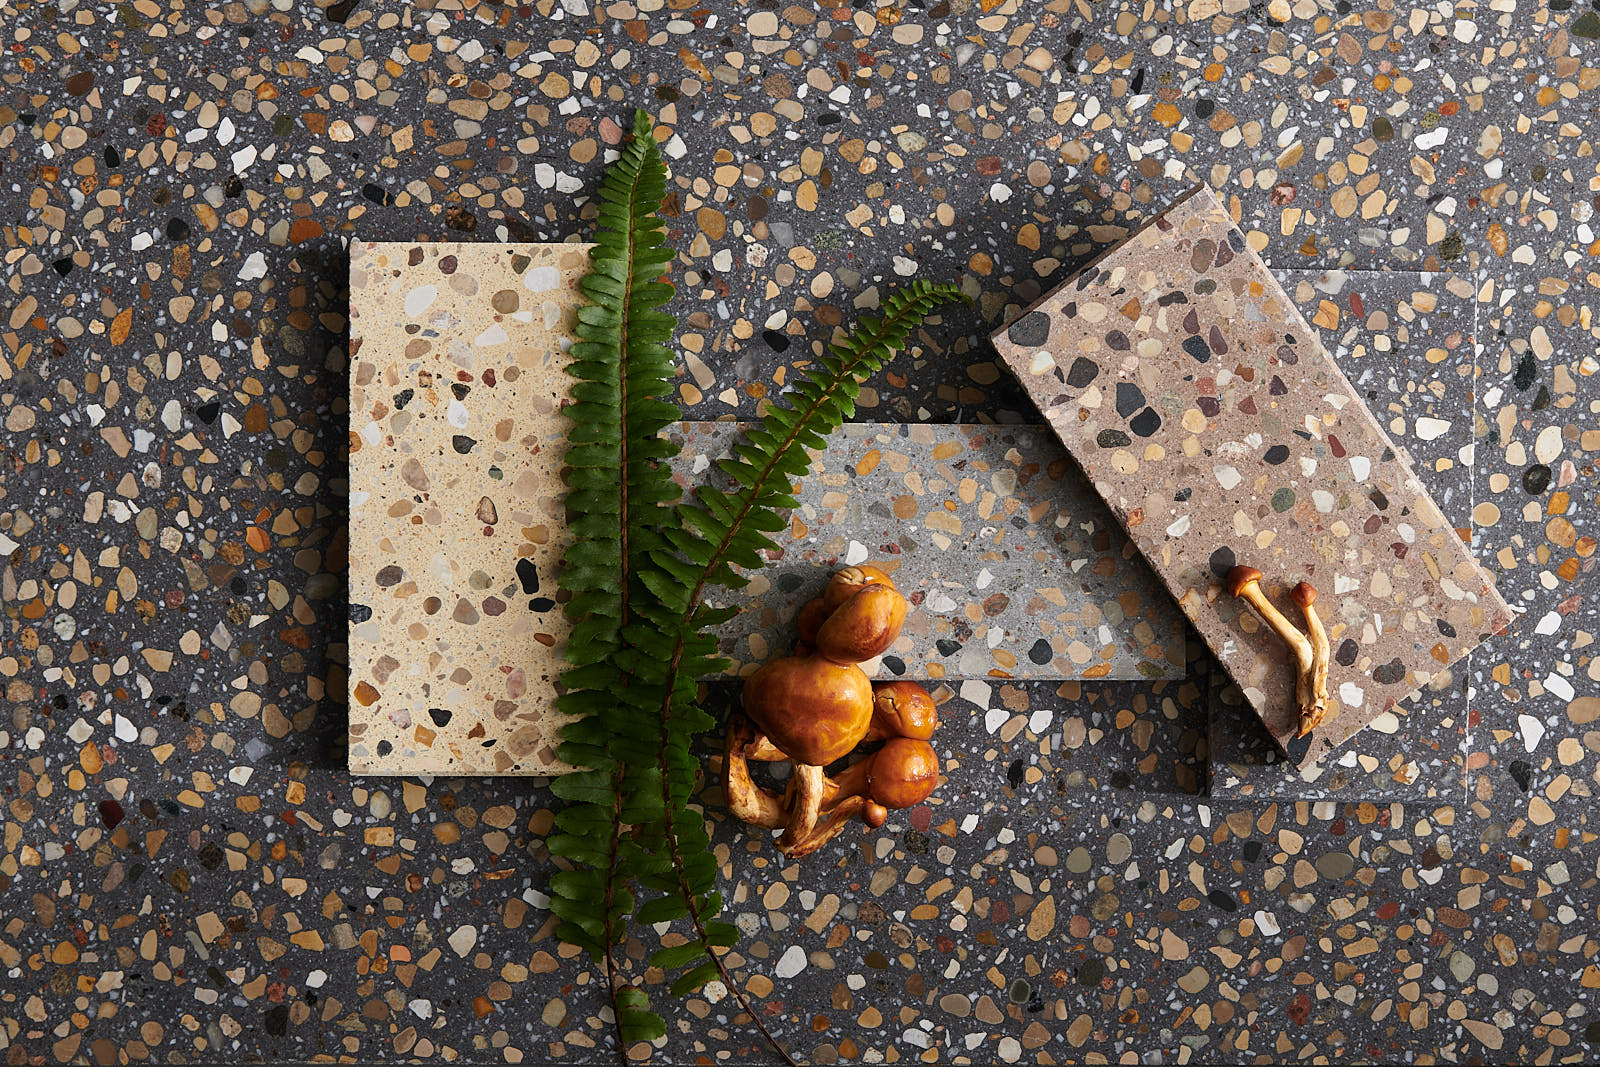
641 562
621 368
765 467
719 530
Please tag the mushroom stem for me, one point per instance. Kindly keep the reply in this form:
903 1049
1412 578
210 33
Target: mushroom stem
813 811
748 801
853 779
805 795
833 820
763 750
1313 712
1310 694
1245 583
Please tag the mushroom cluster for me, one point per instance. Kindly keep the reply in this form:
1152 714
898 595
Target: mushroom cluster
814 707
1310 653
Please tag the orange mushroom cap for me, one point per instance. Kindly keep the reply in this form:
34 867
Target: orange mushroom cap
863 626
1239 577
904 772
903 709
815 710
850 581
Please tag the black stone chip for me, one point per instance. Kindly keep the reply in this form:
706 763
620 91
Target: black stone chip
1390 673
1527 372
1522 773
1145 423
1030 331
1222 900
1082 372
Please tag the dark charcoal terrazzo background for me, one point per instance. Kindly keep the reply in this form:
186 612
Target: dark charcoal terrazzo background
187 872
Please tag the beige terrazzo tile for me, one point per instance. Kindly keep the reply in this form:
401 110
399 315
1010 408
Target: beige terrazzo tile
456 440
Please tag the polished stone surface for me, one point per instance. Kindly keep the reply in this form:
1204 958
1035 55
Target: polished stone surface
188 872
1223 433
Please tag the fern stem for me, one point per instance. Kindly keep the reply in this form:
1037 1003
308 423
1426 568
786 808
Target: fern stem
712 952
618 776
752 495
619 286
611 938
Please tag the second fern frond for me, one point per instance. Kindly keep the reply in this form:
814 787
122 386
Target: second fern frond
638 572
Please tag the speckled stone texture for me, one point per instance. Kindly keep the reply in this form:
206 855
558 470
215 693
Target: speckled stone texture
189 873
1408 344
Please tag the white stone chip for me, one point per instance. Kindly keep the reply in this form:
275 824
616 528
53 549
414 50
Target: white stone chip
1532 731
792 963
464 939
